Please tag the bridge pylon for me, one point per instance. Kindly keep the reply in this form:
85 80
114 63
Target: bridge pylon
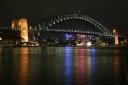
22 25
23 29
116 40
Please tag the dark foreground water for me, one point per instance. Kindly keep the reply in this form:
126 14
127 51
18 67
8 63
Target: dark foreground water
63 66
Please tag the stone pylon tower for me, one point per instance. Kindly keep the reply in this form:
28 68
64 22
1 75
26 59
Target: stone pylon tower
23 25
116 43
15 24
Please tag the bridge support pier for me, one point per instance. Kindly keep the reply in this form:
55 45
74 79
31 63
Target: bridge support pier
116 43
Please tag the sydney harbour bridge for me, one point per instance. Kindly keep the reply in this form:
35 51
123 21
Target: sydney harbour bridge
68 29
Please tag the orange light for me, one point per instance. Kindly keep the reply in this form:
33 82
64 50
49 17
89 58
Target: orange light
24 66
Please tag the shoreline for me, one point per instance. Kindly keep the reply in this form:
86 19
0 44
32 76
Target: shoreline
66 46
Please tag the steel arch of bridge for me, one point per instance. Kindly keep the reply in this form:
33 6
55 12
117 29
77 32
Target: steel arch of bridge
54 20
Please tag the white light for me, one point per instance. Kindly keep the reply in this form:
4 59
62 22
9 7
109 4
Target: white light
30 27
88 44
0 38
114 30
80 44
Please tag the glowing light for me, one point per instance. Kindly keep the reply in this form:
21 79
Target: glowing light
80 66
68 36
82 36
89 44
24 29
93 65
0 38
68 70
116 63
14 24
24 66
114 30
81 44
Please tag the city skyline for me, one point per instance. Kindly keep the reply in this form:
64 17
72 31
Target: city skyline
109 13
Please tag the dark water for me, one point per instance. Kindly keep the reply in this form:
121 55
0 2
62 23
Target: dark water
63 66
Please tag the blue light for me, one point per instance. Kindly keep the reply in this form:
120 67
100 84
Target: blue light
68 67
68 36
93 51
93 63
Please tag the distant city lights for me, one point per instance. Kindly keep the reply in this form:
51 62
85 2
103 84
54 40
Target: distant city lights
89 44
68 36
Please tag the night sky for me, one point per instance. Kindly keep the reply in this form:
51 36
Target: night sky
110 13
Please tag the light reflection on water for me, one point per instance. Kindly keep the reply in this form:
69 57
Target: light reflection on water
1 65
93 66
24 66
68 66
117 66
80 67
62 66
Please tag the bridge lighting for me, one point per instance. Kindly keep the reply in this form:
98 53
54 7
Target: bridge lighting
82 36
57 21
50 25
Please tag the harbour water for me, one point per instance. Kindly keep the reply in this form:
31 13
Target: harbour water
63 66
